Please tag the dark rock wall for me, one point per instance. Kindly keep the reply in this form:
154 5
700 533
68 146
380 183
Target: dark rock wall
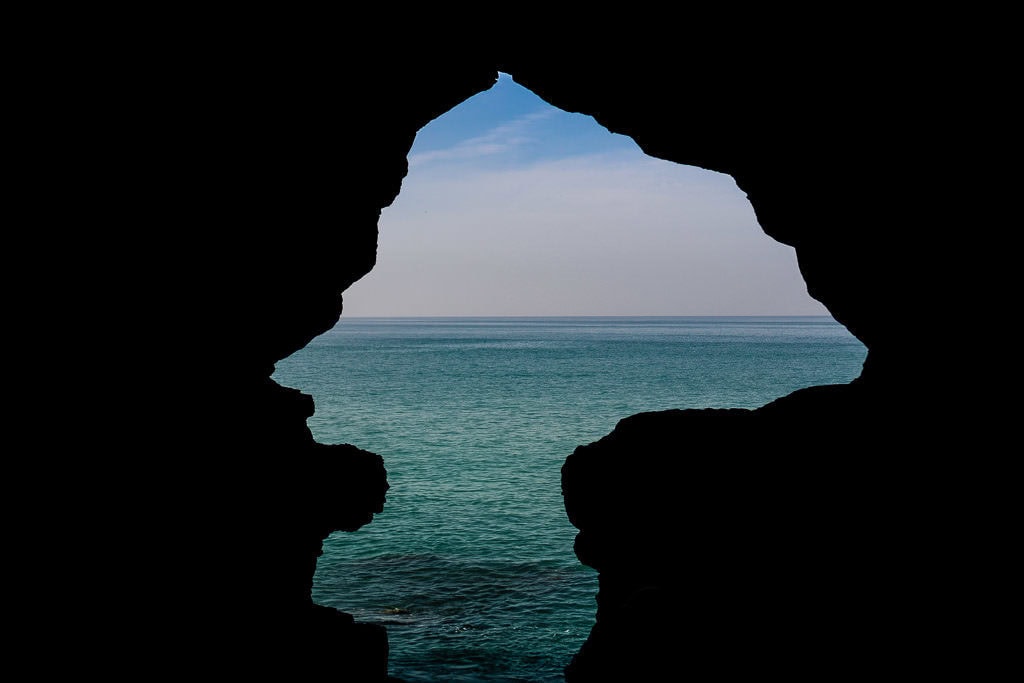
729 541
734 542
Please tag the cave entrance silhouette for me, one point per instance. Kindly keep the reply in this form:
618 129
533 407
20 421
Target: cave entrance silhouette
497 207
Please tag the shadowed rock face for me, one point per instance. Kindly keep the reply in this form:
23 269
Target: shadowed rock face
733 542
727 541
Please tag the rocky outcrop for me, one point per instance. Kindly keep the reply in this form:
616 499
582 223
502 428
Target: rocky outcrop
268 504
717 535
811 536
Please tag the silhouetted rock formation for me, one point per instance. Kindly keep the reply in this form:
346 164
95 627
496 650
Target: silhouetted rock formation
815 535
270 501
722 538
260 163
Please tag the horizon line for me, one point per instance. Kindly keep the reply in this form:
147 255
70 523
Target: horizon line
586 315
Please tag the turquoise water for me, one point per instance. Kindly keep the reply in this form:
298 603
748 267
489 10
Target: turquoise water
470 566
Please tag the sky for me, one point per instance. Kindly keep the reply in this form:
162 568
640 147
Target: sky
513 207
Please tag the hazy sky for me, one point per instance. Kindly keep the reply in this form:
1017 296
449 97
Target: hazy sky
514 207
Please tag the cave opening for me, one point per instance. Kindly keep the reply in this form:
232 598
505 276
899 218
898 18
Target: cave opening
538 279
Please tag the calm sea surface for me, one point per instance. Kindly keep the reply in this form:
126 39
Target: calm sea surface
470 566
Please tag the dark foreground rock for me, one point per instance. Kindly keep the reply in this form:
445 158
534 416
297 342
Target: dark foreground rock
267 504
808 537
241 168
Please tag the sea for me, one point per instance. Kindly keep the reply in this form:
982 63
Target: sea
470 566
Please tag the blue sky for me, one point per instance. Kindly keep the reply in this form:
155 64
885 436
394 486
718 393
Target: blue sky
514 207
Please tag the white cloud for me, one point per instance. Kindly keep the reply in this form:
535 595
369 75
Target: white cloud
498 140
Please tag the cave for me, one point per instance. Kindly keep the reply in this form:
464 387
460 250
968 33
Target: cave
481 185
820 537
